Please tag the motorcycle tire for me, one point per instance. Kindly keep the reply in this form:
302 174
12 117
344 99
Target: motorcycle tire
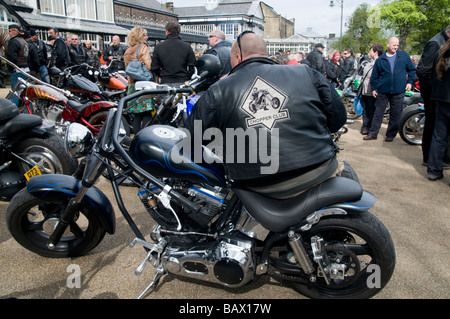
412 124
98 119
275 103
31 221
368 241
48 153
350 107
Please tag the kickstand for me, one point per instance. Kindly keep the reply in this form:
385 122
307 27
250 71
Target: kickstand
160 273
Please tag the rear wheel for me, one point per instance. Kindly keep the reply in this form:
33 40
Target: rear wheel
360 247
47 153
31 221
98 120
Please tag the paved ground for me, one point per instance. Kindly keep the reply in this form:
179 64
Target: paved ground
415 211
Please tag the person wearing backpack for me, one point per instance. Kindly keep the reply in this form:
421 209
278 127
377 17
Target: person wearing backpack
141 108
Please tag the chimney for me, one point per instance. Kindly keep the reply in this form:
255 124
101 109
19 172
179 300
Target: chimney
169 6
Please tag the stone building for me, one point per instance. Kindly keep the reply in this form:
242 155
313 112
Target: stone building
276 26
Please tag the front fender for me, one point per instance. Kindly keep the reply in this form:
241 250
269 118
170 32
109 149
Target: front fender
58 186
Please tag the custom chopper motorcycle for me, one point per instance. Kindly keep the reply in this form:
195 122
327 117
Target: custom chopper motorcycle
28 148
324 241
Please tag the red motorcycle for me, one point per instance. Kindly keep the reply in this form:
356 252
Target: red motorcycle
57 106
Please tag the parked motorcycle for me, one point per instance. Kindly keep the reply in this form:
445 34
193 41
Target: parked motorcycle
113 84
81 80
27 149
324 241
59 107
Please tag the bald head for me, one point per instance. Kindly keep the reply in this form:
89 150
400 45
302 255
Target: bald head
251 46
392 45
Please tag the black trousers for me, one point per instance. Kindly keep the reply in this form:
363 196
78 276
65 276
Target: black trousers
430 117
396 108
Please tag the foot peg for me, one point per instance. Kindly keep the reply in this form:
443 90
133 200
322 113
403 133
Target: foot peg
154 252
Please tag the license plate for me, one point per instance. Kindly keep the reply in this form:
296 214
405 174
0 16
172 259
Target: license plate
34 171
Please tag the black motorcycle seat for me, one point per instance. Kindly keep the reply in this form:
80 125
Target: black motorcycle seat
110 94
19 123
279 214
77 106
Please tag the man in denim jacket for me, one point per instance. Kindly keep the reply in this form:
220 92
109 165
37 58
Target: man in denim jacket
392 74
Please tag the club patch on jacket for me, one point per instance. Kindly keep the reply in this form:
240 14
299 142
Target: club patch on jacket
264 103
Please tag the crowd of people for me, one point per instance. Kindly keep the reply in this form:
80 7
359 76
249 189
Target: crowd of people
385 78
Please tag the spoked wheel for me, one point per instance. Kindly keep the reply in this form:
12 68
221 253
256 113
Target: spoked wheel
31 221
412 124
359 256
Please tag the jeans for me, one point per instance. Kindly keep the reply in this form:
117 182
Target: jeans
395 115
14 79
43 72
439 139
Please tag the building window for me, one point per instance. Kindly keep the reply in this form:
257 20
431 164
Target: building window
53 7
83 9
105 10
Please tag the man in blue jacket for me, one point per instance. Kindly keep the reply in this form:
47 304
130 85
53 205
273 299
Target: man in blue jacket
392 74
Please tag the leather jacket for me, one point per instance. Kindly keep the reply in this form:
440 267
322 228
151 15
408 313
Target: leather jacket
222 51
260 94
17 53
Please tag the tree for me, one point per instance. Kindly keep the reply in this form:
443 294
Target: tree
404 17
361 34
439 13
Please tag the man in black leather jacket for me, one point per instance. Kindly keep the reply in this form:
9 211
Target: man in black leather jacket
173 59
295 113
116 50
220 48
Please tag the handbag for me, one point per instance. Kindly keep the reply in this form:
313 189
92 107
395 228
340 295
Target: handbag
358 105
138 71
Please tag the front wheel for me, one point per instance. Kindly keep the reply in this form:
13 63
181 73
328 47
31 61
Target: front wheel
358 245
32 220
412 124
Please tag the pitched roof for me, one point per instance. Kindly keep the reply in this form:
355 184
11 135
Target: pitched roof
145 5
225 7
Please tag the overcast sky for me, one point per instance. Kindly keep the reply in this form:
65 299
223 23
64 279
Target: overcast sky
307 13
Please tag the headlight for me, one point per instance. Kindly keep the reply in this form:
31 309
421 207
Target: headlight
79 140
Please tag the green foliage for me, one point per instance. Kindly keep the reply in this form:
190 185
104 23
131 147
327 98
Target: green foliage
362 32
402 16
414 22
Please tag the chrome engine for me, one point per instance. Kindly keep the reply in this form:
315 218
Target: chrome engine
48 111
230 261
51 113
211 199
